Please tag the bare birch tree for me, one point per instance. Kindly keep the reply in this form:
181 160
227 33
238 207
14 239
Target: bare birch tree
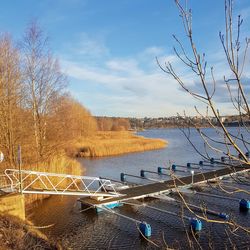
226 142
43 81
236 53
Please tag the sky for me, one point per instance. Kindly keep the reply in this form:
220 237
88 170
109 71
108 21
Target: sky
108 50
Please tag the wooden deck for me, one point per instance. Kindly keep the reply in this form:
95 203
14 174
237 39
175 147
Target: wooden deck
164 187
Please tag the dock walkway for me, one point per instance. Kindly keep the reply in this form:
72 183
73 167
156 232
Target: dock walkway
164 187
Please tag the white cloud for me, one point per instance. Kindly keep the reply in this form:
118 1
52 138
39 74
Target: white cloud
155 51
85 45
129 89
133 86
129 66
87 73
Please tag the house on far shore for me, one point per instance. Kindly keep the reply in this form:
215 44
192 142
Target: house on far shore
233 120
222 119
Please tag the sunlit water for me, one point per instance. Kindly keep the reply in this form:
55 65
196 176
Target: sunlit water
89 230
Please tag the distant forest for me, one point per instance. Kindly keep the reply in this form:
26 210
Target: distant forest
120 123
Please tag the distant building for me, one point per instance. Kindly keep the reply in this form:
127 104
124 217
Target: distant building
222 119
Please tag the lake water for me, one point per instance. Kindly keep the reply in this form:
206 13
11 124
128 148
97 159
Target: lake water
88 230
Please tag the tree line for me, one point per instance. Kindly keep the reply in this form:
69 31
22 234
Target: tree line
36 111
105 123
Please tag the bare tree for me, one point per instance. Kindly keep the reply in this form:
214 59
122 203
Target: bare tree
10 98
234 145
236 54
43 81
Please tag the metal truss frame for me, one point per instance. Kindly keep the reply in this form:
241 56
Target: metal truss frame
24 181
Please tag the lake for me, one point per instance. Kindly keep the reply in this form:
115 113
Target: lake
88 230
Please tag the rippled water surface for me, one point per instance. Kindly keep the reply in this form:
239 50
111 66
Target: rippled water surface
89 230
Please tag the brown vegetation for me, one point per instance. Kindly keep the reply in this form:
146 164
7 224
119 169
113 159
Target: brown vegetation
35 110
58 164
37 114
115 143
113 123
19 235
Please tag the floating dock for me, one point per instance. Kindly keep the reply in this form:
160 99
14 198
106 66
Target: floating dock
166 186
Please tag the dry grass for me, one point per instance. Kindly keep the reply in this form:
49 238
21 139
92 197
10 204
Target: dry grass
114 143
59 164
19 235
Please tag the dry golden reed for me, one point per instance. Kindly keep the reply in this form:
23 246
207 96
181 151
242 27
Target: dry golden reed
110 143
59 164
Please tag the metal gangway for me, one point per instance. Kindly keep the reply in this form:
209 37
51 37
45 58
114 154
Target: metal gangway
34 182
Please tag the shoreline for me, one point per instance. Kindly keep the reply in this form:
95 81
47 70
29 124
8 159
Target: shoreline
111 143
23 235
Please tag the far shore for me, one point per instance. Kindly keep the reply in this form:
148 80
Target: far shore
109 143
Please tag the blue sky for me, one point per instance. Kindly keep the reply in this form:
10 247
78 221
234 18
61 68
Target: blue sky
108 49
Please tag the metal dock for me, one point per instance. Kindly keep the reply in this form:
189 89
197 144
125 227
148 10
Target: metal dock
166 186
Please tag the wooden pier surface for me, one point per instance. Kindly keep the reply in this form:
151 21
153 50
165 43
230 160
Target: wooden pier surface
163 187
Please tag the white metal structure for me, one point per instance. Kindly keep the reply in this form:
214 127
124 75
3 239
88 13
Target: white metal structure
33 182
1 156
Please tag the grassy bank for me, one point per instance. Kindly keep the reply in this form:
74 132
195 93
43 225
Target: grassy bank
19 235
110 143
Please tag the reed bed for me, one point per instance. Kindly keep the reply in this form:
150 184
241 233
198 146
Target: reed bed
110 143
59 164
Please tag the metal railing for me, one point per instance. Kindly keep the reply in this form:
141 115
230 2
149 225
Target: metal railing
33 182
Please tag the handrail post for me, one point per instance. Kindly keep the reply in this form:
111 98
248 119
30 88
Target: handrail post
19 159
